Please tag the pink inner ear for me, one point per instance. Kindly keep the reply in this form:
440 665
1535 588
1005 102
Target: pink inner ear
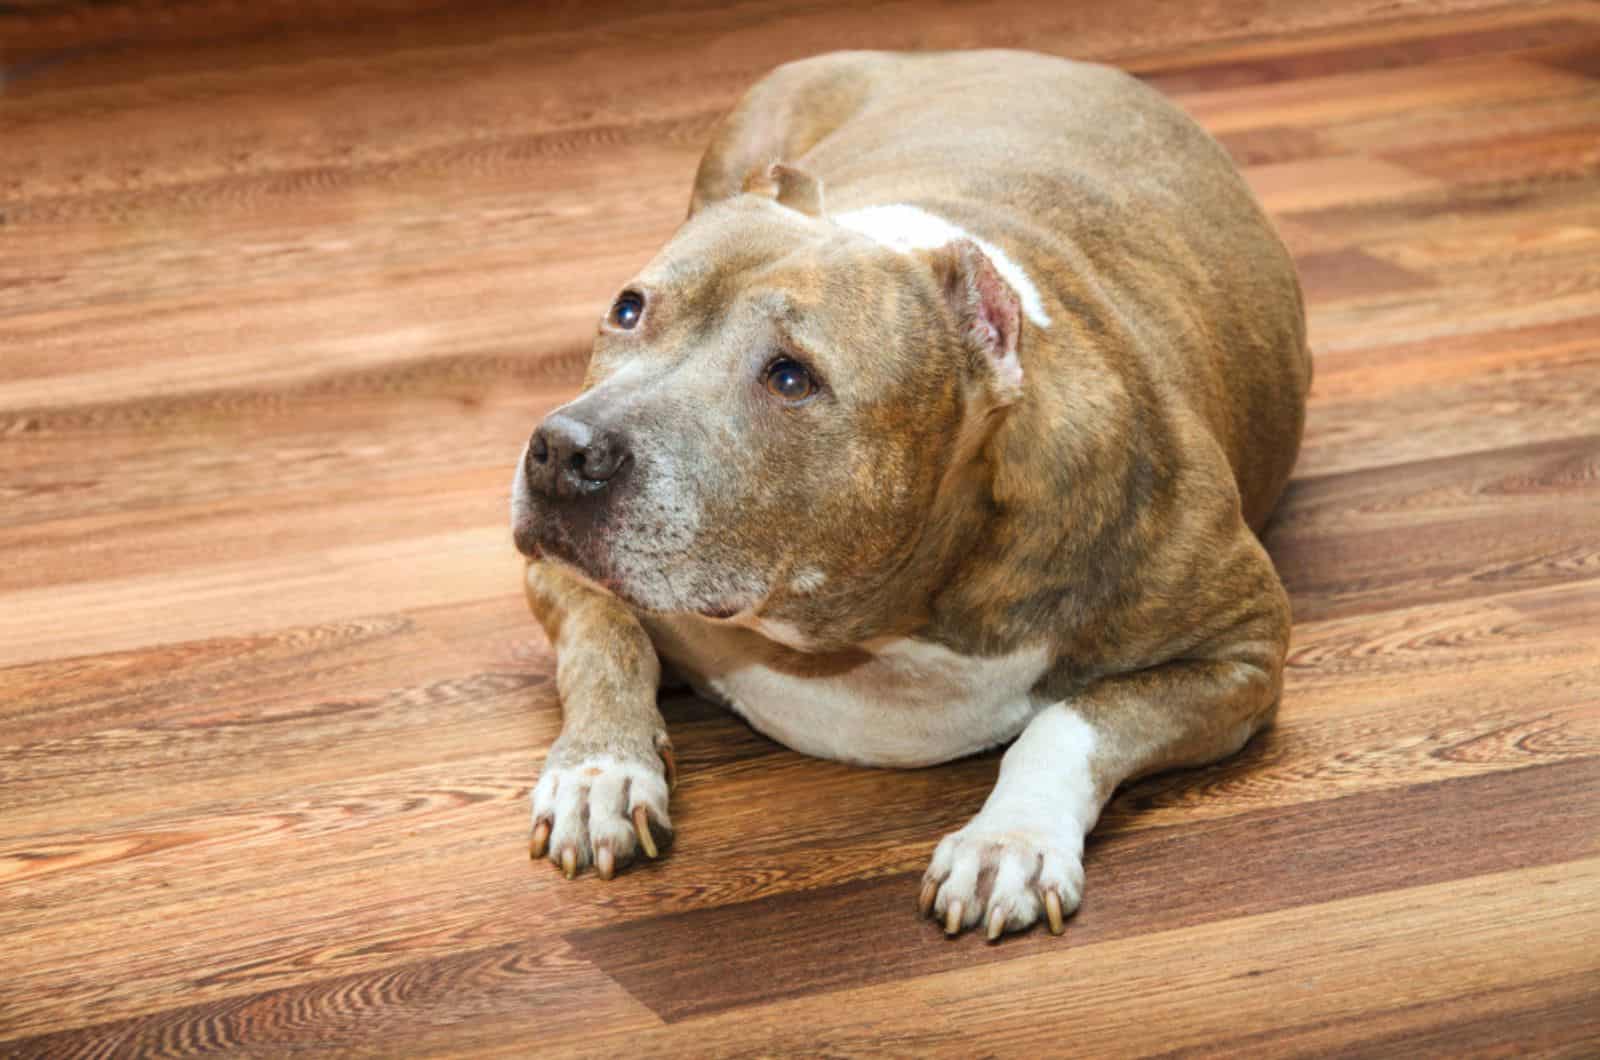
984 333
988 309
999 316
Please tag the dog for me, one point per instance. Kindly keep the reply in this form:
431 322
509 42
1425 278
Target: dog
948 419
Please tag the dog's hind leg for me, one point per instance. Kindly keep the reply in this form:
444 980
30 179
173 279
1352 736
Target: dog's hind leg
1020 858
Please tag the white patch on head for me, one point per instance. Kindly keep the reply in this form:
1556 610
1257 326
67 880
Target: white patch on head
906 228
910 703
807 580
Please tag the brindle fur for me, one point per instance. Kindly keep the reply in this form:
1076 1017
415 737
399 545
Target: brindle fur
1111 507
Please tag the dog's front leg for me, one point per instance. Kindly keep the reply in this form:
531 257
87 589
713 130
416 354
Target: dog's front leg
1020 858
602 794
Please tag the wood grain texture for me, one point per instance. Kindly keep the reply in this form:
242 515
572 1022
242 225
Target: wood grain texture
693 963
283 287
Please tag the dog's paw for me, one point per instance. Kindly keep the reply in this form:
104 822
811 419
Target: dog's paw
1004 877
601 808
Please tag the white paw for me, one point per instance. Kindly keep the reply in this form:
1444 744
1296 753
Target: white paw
1005 875
600 809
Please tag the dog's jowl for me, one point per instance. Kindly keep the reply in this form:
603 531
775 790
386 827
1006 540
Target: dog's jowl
946 420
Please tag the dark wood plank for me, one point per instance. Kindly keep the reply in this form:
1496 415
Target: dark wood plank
1353 273
863 933
1288 143
1580 57
1384 964
413 999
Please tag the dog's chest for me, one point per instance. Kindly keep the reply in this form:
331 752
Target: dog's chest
904 703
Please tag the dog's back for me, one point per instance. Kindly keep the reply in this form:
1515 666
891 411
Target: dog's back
1098 186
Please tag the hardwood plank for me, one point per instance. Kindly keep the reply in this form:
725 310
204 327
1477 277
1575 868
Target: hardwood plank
1447 529
372 998
1556 240
184 454
1487 297
1397 51
1378 33
1274 145
115 26
1516 386
164 350
1429 983
1452 210
694 963
1235 988
1348 97
1352 273
229 598
1320 183
155 540
500 995
1460 123
1350 731
1562 154
1579 57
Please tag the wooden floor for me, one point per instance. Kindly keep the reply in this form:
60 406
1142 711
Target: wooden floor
284 286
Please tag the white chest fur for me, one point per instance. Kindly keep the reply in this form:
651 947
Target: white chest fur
901 703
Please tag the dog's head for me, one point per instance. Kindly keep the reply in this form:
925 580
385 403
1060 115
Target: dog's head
771 410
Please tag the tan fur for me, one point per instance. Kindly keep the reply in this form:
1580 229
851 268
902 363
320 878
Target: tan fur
1106 506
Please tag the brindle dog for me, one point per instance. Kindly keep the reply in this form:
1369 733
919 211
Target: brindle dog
948 418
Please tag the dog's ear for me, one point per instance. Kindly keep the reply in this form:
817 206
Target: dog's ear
987 311
792 187
798 189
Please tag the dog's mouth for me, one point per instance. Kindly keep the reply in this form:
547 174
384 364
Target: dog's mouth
525 536
543 540
599 550
589 561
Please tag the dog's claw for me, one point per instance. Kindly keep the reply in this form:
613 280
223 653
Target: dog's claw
1052 910
671 764
930 891
602 810
952 919
541 835
997 922
641 825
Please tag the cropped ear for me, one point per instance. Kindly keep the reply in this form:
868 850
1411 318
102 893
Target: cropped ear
792 187
987 310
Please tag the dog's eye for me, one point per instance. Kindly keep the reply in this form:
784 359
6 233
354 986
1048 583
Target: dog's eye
789 380
627 309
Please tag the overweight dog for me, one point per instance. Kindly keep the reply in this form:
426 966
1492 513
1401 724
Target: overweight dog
946 420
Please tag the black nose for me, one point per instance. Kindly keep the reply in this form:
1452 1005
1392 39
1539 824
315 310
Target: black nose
569 458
